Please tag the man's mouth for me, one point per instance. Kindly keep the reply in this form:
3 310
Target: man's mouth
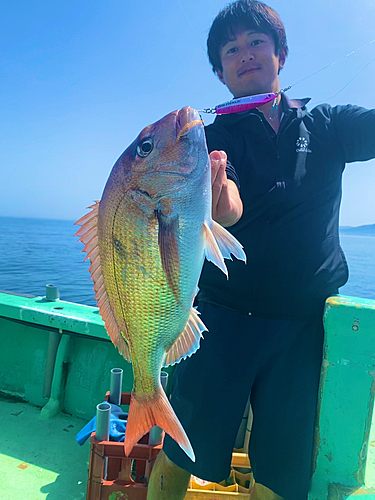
243 71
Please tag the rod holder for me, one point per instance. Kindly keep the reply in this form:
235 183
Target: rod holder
115 386
52 293
164 379
103 414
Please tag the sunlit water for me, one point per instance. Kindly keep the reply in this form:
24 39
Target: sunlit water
36 252
360 254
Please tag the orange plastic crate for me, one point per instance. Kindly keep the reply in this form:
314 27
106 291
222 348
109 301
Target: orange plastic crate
118 482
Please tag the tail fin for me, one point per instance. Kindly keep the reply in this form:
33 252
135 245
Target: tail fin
145 412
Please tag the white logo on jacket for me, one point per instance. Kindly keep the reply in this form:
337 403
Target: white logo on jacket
302 145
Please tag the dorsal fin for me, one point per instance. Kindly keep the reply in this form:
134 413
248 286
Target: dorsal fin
89 236
188 341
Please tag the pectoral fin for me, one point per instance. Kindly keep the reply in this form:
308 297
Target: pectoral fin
168 247
188 341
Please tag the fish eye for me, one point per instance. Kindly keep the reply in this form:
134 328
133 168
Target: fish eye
145 147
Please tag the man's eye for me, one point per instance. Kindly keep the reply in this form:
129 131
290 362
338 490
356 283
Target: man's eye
256 42
232 50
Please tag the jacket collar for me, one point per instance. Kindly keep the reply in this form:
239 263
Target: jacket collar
294 103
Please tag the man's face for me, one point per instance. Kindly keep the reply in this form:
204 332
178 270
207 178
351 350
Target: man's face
250 65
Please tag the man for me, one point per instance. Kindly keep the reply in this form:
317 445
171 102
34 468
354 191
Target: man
276 181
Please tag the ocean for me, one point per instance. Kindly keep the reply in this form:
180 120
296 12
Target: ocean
37 252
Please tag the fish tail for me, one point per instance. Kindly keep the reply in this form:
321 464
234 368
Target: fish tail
145 412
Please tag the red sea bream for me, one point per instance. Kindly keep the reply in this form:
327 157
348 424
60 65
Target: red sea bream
147 239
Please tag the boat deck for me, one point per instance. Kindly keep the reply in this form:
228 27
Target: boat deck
370 468
40 459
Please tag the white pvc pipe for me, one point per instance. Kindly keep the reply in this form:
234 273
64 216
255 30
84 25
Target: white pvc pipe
103 414
115 386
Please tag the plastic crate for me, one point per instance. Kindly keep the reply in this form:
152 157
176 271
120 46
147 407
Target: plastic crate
241 478
113 476
109 456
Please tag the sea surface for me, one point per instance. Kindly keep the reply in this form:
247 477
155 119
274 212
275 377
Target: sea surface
37 252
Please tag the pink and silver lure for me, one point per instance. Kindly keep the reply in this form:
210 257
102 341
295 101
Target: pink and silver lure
242 104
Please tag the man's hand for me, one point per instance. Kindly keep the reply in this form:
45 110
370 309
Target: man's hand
226 202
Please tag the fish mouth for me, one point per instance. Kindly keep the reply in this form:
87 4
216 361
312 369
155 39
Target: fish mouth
187 118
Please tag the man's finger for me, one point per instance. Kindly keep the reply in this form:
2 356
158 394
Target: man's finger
215 167
218 161
219 185
225 203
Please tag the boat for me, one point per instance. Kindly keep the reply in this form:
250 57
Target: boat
55 365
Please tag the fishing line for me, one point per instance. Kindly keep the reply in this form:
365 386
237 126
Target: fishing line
344 87
191 24
335 62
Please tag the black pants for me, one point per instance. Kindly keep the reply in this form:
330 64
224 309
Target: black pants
278 362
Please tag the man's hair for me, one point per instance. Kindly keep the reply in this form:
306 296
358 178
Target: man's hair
244 15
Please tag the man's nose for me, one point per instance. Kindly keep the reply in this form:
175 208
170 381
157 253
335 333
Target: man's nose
247 55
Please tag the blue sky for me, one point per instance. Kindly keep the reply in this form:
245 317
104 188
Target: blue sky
79 80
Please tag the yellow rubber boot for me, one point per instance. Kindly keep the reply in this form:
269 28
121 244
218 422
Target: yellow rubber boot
167 481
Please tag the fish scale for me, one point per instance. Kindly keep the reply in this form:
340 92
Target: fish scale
160 313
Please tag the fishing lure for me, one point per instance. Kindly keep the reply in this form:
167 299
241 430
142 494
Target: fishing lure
244 103
241 104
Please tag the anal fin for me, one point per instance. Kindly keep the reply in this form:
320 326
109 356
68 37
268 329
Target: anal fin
187 343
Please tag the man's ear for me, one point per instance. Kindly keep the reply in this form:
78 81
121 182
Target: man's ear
220 76
282 59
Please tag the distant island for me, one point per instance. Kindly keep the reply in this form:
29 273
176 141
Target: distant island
368 230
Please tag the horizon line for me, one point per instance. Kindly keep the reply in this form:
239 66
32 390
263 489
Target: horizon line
73 220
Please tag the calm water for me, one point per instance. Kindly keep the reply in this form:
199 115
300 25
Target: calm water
35 252
360 254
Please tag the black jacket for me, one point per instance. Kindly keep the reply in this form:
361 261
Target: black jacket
290 185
